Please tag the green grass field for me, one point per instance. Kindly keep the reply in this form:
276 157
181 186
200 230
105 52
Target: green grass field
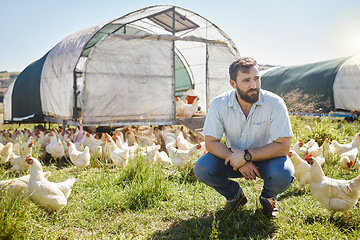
143 201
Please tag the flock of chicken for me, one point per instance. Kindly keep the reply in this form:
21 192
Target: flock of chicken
334 195
17 151
153 144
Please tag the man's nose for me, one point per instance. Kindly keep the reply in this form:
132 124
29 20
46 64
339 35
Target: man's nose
253 84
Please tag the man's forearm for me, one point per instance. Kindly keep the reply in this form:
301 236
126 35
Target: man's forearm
278 148
218 149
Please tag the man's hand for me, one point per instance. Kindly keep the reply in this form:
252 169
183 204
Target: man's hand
249 171
236 159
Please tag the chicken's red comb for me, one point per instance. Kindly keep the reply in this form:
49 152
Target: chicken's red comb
28 157
309 155
301 141
68 141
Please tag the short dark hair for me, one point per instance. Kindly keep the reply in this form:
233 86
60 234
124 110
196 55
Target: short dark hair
242 64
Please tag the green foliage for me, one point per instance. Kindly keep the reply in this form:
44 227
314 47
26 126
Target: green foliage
13 215
144 185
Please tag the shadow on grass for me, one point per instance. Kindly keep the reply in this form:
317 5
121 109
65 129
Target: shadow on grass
241 224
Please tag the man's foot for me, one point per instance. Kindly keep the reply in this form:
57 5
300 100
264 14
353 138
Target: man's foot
241 201
269 207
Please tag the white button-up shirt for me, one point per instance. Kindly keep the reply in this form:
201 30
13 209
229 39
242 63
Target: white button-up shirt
267 121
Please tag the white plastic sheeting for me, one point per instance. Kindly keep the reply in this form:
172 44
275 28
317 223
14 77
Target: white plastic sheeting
218 77
129 79
7 102
346 86
57 80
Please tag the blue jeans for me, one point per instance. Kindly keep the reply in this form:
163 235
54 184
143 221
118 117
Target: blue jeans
277 173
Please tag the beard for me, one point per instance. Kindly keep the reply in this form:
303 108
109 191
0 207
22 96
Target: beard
248 97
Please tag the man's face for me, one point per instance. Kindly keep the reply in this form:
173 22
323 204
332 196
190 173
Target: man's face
248 85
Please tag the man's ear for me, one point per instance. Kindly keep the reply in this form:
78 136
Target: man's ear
233 83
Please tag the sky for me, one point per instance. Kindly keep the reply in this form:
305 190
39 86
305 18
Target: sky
277 32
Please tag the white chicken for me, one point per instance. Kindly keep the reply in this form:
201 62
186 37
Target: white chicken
55 148
188 110
163 157
302 169
18 162
6 153
181 142
150 154
80 159
180 157
49 195
169 138
18 185
348 159
95 145
130 137
297 146
334 195
338 148
323 150
179 106
117 155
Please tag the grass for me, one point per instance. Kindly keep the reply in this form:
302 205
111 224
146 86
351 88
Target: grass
143 201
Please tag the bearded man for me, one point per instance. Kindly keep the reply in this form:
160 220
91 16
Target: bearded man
257 131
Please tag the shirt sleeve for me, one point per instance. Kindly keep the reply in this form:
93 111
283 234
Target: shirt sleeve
280 125
213 125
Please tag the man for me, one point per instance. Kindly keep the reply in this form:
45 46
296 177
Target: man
257 131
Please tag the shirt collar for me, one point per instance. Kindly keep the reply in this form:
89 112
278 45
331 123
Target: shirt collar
232 99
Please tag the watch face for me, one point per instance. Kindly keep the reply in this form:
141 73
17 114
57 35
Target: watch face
247 156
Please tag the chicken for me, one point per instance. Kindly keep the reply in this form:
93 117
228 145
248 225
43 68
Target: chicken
181 157
323 150
6 153
18 185
334 195
163 157
297 146
188 110
3 139
304 150
55 148
338 148
158 137
168 137
49 195
117 155
95 145
78 158
18 162
146 141
181 142
130 137
302 169
179 106
150 154
349 159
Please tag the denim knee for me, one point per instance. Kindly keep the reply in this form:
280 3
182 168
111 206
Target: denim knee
278 175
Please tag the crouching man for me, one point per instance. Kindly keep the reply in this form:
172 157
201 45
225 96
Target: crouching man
257 131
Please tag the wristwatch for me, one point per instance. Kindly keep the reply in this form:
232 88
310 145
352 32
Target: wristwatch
247 156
